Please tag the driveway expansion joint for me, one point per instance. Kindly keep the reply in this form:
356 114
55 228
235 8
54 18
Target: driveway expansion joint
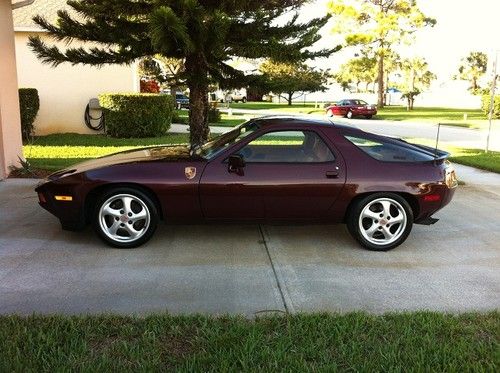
280 282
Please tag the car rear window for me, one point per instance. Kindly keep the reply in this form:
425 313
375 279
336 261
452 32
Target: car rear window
389 152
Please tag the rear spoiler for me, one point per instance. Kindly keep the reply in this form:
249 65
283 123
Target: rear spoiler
438 154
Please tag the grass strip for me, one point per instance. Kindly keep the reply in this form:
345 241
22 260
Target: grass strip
419 341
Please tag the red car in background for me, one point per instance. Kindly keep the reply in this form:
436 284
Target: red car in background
352 108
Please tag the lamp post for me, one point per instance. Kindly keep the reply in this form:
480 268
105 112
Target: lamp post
492 101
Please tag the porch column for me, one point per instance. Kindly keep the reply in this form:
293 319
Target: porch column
10 121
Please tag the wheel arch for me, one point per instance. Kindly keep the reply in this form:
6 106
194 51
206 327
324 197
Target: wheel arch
94 193
410 198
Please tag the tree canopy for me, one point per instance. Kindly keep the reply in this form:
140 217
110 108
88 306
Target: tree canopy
416 77
204 34
473 67
378 26
290 78
357 70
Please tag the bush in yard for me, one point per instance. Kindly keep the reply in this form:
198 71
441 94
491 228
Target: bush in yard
29 103
496 106
137 115
214 115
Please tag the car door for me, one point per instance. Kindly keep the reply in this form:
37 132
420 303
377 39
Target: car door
288 174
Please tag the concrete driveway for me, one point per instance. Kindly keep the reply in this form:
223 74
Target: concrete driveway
452 266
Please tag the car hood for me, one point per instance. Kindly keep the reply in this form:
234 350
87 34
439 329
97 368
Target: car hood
164 153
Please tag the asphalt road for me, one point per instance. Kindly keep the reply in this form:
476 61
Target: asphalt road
245 269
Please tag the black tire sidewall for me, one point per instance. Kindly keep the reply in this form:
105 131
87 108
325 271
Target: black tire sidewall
153 211
355 211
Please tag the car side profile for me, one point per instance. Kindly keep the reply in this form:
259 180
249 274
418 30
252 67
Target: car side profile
267 170
352 108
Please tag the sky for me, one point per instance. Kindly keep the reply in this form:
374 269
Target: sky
462 26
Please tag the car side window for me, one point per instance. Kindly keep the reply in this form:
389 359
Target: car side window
388 152
287 147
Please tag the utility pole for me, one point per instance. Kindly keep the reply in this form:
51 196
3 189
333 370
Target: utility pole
492 101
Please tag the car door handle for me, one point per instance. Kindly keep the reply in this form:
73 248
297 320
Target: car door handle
332 174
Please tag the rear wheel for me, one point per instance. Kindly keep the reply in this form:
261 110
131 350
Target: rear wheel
125 217
244 99
381 221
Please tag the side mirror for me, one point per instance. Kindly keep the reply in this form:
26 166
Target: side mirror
236 163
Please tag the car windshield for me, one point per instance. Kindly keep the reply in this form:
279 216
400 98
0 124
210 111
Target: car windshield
211 148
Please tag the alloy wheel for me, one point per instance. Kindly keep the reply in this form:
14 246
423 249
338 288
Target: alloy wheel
124 218
382 221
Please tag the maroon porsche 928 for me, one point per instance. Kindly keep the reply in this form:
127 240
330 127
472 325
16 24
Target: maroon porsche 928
270 170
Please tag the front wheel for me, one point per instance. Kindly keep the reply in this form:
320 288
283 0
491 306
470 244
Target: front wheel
125 217
381 221
349 115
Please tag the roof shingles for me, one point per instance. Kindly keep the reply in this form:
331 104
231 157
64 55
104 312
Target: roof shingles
23 17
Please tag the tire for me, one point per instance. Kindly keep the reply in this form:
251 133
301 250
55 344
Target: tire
373 231
123 212
329 113
349 115
368 116
244 100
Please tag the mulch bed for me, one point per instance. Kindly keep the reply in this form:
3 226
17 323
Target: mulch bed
33 174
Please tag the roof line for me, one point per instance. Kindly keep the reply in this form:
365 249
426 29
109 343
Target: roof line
28 29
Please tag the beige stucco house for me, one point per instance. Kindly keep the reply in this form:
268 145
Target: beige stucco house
10 127
64 90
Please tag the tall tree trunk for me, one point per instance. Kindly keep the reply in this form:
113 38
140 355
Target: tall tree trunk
290 94
474 83
380 80
198 99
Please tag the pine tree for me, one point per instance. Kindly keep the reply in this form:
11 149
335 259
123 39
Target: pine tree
205 34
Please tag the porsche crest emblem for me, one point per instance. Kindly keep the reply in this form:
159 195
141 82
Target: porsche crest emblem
190 172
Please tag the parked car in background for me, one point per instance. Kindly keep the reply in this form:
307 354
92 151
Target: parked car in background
236 96
271 169
352 108
181 101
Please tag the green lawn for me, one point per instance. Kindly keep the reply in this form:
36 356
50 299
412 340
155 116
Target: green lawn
477 158
471 157
420 341
53 152
446 116
226 120
297 107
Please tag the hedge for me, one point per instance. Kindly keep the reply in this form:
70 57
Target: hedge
29 103
496 106
137 115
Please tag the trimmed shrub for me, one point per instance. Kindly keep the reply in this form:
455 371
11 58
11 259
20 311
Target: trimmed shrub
29 103
496 106
214 115
137 115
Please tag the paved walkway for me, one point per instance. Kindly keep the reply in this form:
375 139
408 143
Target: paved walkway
453 265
